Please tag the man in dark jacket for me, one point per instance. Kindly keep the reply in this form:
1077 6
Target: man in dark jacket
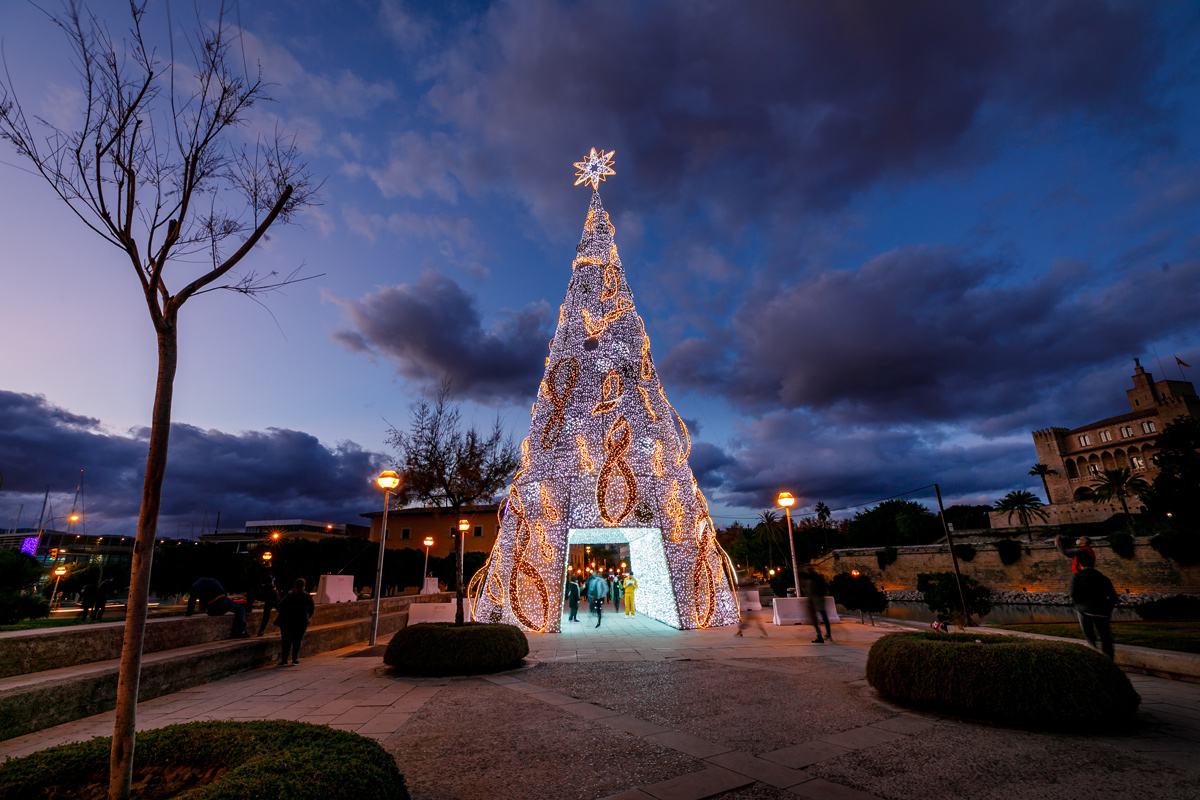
292 616
1094 598
87 600
1083 547
216 602
269 595
102 593
573 599
814 585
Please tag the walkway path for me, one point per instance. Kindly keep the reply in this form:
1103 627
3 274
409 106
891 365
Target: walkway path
349 689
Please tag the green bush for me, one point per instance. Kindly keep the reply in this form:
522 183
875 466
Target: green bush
781 581
1009 551
273 758
16 606
1177 606
886 557
1180 547
941 595
1029 683
858 593
965 551
1121 544
443 648
19 571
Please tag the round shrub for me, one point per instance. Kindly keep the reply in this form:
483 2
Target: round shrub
886 557
1122 544
443 648
216 761
1009 551
1028 683
965 551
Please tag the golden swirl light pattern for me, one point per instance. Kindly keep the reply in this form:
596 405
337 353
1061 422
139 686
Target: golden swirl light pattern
612 466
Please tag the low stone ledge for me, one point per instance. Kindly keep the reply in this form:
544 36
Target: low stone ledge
1163 663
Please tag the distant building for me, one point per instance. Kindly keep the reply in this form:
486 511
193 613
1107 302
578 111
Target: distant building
408 527
1080 455
268 530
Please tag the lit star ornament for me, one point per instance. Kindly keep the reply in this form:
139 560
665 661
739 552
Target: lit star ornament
596 168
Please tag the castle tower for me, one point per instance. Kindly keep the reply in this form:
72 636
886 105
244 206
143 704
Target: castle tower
605 461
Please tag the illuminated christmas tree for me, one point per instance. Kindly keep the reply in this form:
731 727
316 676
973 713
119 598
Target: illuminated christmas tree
606 461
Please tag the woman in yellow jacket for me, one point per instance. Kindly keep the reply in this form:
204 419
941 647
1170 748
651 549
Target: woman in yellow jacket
630 585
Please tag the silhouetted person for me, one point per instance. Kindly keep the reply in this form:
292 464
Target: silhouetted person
87 600
216 602
292 616
813 584
1094 598
616 592
269 595
573 599
597 591
102 593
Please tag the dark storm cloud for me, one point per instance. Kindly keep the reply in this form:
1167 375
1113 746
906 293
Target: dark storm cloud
253 475
432 328
928 333
768 106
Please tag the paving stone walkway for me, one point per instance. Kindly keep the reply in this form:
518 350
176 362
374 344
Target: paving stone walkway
349 689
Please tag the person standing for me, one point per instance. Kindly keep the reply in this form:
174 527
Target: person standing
630 586
292 616
1083 547
102 593
815 587
87 599
573 599
269 594
616 592
215 602
1094 598
597 591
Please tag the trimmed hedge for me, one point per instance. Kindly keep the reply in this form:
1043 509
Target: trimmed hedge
1177 606
222 760
1009 551
1027 683
443 648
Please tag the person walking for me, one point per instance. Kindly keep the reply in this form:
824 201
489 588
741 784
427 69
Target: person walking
573 599
597 591
630 587
1094 598
745 620
616 592
215 602
813 584
87 599
292 616
1082 547
269 594
102 593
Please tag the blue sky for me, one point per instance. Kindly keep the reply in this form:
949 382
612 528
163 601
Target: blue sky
874 244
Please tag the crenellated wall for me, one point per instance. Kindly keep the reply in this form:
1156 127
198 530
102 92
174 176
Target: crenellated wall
1040 569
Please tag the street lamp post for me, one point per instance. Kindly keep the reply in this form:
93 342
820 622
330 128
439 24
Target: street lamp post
428 544
786 500
387 480
459 574
46 524
58 573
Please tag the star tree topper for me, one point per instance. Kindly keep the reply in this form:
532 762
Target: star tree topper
595 168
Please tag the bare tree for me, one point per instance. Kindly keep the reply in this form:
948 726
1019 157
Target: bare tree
442 465
152 168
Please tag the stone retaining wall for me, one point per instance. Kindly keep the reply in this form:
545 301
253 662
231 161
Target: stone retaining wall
24 652
1040 569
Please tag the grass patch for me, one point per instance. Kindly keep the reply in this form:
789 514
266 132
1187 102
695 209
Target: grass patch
446 649
1027 683
1182 637
216 761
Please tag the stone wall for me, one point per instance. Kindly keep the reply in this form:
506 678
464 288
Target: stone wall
1040 569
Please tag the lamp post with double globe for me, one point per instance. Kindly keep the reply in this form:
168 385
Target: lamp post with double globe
786 500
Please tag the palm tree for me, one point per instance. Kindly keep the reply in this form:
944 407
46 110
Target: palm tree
1025 505
1118 484
823 515
1041 470
771 531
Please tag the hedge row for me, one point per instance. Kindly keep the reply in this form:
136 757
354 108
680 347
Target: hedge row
268 759
441 648
1028 683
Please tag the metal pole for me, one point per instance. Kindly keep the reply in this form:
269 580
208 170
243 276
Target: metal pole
387 497
425 571
962 597
792 543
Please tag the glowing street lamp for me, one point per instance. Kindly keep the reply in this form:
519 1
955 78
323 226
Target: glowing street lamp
266 557
428 544
58 573
387 480
787 500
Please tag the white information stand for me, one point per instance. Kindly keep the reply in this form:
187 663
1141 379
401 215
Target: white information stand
436 612
750 600
431 586
336 589
794 611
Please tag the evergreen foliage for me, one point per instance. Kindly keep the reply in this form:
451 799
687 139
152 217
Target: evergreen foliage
886 556
445 649
1177 606
941 595
965 551
1009 551
858 593
894 523
1122 544
18 573
1181 547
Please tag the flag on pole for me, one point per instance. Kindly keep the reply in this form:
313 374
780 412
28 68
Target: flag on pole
1181 362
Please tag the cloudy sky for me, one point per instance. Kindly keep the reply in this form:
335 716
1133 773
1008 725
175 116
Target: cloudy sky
875 244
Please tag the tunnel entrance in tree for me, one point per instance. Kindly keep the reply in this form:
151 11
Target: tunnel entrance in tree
647 562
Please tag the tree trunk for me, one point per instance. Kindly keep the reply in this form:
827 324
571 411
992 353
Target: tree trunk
460 549
120 774
1046 488
1128 519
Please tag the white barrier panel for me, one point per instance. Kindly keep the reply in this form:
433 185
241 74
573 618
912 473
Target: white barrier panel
436 612
336 589
750 600
794 611
430 587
